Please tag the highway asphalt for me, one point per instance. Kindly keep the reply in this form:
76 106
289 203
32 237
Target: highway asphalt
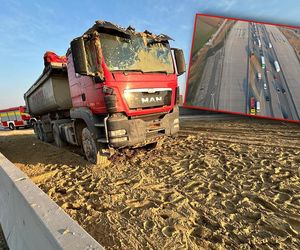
288 77
234 84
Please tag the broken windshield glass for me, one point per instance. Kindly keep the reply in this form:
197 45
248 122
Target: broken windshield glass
138 53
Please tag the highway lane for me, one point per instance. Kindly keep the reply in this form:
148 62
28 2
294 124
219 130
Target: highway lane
234 84
208 85
290 70
257 90
274 105
283 105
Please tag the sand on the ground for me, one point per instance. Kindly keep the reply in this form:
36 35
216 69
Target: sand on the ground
219 184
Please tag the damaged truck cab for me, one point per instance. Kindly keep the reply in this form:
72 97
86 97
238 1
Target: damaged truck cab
123 91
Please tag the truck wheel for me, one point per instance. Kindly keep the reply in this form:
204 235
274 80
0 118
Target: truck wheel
36 131
94 153
40 132
48 137
56 136
11 126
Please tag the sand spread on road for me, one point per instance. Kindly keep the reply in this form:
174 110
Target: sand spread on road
220 184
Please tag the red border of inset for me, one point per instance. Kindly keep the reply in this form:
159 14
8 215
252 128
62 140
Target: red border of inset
224 111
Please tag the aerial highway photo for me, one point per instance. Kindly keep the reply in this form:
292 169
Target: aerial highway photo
245 67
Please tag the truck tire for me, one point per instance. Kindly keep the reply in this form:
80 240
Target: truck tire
11 126
40 132
35 129
56 136
94 152
48 137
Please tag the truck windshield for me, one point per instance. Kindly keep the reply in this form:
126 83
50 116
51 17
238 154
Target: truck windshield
136 54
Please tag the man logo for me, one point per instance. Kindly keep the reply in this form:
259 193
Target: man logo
151 99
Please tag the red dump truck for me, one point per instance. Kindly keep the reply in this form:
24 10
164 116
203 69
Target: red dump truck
116 88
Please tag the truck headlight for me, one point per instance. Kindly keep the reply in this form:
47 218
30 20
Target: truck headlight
118 132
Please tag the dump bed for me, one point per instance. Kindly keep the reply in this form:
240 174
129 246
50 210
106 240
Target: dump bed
50 92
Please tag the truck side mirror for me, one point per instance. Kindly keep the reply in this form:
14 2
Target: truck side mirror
79 56
179 59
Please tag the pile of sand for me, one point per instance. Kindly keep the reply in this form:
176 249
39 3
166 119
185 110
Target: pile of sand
219 184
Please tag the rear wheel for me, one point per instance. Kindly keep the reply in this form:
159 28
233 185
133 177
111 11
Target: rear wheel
35 129
40 132
11 126
48 137
56 136
94 152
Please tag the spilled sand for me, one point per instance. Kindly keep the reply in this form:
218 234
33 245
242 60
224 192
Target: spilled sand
219 185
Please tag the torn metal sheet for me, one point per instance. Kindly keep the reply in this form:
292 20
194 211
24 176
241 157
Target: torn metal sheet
114 29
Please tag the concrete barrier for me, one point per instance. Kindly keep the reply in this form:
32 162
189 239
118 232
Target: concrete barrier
31 220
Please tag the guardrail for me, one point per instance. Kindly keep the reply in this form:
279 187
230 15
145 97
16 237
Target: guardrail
31 220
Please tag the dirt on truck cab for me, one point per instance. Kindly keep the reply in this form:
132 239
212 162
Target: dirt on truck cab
115 88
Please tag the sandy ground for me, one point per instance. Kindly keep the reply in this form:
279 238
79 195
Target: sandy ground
220 184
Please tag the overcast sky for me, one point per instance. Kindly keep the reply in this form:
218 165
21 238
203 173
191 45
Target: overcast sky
29 28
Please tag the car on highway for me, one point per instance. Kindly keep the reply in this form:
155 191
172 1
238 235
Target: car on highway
283 90
258 75
278 89
265 86
267 98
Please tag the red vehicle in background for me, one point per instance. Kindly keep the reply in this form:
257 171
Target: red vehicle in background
252 106
16 117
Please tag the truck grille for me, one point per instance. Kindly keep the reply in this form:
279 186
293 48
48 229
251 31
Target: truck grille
147 98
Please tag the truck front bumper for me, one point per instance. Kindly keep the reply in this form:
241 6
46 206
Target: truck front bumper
123 132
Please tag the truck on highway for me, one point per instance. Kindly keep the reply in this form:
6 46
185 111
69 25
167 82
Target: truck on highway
16 117
276 65
263 63
115 88
252 106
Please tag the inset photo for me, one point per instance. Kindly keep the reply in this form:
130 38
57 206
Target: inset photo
245 67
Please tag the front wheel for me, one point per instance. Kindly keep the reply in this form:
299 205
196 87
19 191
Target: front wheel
11 126
93 151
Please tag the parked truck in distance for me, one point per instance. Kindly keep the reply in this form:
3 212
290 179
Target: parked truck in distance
276 65
116 88
15 118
